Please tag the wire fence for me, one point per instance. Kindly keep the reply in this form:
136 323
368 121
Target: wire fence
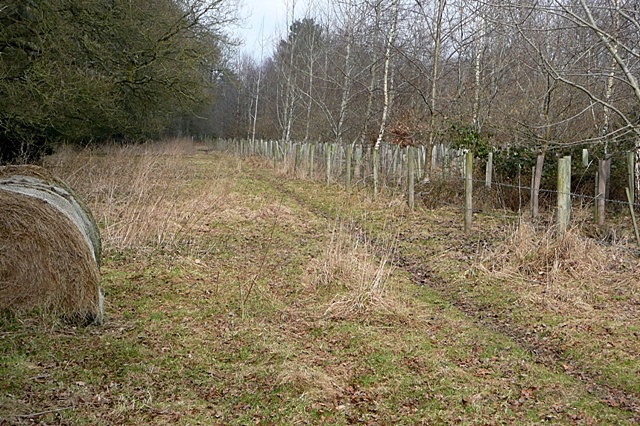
353 165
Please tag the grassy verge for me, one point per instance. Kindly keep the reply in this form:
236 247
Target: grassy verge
236 296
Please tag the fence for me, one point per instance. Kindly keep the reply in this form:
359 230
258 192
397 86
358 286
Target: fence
408 168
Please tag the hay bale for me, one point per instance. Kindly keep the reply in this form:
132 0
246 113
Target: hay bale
49 247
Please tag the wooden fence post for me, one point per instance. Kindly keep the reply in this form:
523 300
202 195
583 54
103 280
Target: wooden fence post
312 150
337 158
595 204
376 169
357 159
537 178
531 186
411 177
297 156
489 171
468 192
445 162
327 148
420 162
564 193
604 168
348 160
633 215
274 153
395 159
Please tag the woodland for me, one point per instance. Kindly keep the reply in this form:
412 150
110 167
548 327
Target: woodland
518 77
91 71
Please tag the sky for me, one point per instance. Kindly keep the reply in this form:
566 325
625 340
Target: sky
264 20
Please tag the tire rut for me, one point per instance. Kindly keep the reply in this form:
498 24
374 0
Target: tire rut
541 352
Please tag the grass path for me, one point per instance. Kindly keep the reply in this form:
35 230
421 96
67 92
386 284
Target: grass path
239 296
432 248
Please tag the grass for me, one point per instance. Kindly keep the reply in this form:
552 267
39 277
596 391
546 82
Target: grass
237 295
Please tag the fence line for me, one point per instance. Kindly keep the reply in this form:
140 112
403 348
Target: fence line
553 191
399 167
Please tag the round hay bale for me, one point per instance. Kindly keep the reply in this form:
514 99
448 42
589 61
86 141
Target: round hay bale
49 247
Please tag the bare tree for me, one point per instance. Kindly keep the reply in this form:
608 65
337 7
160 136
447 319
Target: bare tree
394 11
605 61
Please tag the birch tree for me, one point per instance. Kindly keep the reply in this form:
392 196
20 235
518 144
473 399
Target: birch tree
624 57
439 7
286 52
393 10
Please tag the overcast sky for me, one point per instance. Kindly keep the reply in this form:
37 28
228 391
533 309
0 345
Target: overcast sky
262 16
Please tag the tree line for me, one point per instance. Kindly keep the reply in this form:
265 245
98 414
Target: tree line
87 71
542 76
527 77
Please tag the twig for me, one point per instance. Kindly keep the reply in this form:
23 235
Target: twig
42 413
264 257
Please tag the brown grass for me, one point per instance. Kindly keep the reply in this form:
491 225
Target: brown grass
356 274
566 272
139 202
177 351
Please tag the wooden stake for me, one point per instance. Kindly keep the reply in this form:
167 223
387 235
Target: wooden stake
633 216
297 156
327 148
312 150
348 160
604 168
564 193
376 170
468 192
410 177
631 167
536 186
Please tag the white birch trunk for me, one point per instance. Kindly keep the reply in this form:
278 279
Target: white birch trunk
478 73
439 6
346 89
311 76
385 105
289 88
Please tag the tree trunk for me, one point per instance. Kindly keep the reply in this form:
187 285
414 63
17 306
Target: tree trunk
439 5
385 91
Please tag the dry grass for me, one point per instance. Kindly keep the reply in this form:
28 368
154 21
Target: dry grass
330 334
312 382
356 272
139 203
568 272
